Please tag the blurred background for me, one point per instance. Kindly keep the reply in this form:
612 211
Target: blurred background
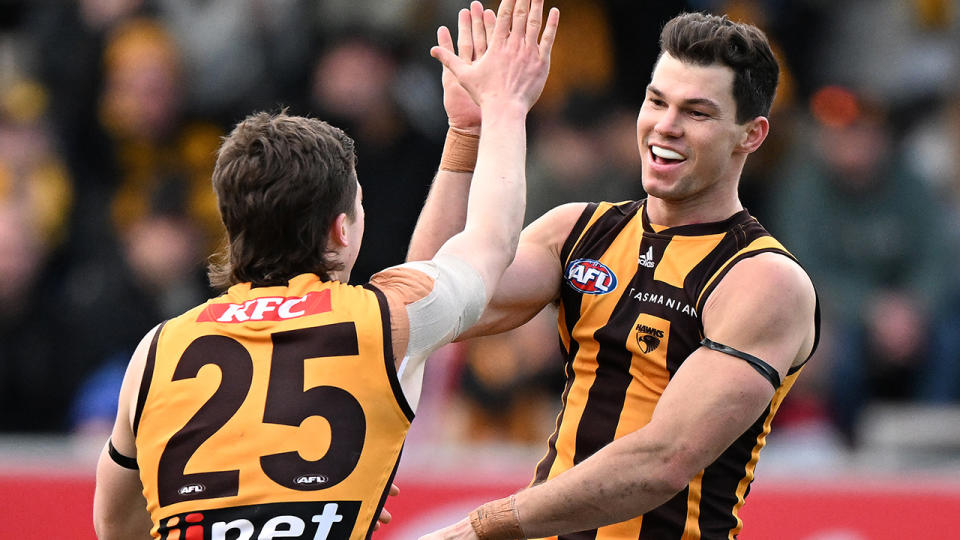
111 112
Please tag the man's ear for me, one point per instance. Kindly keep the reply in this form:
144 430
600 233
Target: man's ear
756 131
338 232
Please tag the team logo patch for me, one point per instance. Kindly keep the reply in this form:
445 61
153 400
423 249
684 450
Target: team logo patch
590 276
648 339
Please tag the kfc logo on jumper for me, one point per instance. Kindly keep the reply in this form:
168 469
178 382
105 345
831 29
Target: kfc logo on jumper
590 276
315 520
268 308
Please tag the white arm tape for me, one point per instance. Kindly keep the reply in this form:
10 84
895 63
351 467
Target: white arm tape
454 305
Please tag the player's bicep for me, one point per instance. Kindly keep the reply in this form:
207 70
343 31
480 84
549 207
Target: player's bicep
120 509
764 307
122 437
711 400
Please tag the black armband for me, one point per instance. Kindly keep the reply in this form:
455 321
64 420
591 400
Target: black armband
120 459
762 367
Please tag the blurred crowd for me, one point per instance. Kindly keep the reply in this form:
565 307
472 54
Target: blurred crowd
111 112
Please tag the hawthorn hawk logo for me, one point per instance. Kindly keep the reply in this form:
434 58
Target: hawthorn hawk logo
648 339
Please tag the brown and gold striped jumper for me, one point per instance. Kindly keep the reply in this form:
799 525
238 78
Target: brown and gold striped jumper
631 300
272 409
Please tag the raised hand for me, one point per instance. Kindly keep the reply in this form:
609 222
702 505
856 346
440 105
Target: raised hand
515 65
475 26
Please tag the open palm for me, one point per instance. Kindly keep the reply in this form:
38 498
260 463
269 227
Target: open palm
515 62
474 27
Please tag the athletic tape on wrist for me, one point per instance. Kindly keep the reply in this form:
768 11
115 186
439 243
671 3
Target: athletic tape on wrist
497 520
459 151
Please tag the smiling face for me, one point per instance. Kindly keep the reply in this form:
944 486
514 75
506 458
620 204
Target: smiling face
691 147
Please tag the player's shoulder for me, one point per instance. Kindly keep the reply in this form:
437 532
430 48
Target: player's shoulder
765 298
769 271
407 282
555 225
770 279
566 212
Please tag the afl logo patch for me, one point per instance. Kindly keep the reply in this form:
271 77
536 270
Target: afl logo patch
311 479
192 489
590 276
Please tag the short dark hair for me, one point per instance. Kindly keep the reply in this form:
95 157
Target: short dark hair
704 39
280 182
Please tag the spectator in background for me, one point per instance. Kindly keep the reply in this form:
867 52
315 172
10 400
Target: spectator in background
934 147
163 212
33 173
36 371
241 55
156 146
67 41
875 238
352 88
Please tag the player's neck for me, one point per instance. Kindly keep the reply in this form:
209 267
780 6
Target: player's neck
689 212
343 276
337 259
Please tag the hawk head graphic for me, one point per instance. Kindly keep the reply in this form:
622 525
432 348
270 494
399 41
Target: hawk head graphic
648 343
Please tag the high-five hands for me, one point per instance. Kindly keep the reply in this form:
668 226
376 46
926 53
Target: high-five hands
514 65
475 28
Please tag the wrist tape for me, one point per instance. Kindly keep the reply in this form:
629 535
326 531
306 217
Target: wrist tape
459 151
497 520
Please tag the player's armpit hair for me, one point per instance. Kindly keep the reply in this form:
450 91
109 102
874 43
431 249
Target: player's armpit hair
120 459
762 367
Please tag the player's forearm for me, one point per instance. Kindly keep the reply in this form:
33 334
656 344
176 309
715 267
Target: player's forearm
616 484
130 530
620 482
498 193
497 197
119 509
123 517
443 215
